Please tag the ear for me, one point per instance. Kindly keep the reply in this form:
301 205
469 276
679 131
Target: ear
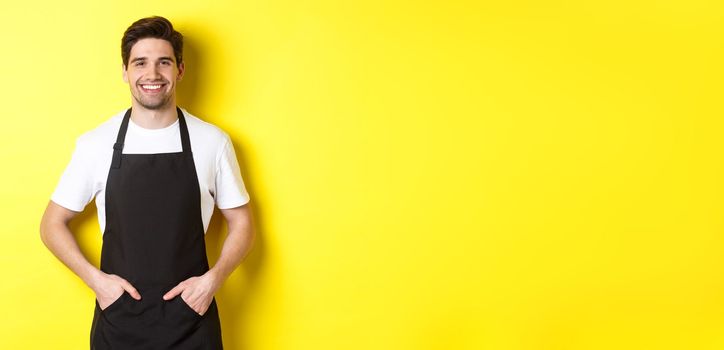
125 73
181 70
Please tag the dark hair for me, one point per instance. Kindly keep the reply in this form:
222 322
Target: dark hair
152 27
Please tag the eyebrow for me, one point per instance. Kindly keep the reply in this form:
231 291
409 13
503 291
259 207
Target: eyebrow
164 58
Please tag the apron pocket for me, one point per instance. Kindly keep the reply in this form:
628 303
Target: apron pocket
123 325
114 304
185 306
179 319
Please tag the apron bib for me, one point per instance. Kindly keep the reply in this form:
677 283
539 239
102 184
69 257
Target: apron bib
154 238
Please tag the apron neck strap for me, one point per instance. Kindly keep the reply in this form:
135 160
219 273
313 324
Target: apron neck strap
118 146
185 140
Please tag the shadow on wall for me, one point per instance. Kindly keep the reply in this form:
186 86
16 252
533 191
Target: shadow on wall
236 294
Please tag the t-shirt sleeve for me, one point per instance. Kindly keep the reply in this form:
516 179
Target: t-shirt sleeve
75 188
230 189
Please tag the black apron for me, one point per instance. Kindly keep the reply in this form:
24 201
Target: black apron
154 238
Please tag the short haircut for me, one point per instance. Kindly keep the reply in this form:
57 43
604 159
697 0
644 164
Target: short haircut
152 27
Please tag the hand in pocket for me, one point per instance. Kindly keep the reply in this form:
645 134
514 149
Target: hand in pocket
109 288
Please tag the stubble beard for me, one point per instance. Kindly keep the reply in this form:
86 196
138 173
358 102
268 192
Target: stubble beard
153 104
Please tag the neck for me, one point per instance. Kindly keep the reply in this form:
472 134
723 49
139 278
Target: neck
154 118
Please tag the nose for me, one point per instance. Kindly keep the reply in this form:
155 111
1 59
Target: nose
153 72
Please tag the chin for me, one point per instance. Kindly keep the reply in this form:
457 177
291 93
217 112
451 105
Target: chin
153 105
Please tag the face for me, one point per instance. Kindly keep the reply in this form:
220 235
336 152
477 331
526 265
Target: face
152 73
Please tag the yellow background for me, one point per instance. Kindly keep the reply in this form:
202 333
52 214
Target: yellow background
450 175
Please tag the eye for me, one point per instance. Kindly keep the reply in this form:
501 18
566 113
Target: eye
138 64
166 63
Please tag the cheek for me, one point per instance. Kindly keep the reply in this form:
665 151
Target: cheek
133 79
133 75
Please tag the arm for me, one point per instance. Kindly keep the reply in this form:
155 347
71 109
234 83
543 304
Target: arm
238 242
198 291
56 235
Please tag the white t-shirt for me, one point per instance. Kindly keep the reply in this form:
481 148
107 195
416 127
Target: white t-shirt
218 172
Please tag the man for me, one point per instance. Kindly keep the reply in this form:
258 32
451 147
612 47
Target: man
155 197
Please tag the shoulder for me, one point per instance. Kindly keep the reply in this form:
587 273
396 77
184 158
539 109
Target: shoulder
203 131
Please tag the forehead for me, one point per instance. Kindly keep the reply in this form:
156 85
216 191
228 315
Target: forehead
151 48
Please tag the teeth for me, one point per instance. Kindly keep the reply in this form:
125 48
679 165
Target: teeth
151 87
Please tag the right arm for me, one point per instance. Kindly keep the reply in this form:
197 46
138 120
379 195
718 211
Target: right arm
56 235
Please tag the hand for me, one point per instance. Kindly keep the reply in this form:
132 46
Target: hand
196 292
109 288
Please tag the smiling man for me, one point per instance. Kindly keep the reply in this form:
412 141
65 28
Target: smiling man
156 173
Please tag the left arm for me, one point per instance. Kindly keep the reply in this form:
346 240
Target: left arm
198 291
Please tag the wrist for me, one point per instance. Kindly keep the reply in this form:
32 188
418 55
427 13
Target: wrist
216 278
93 277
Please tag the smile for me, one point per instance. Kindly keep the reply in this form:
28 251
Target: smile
151 87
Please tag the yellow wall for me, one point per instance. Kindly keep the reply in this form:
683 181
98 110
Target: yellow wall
459 175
